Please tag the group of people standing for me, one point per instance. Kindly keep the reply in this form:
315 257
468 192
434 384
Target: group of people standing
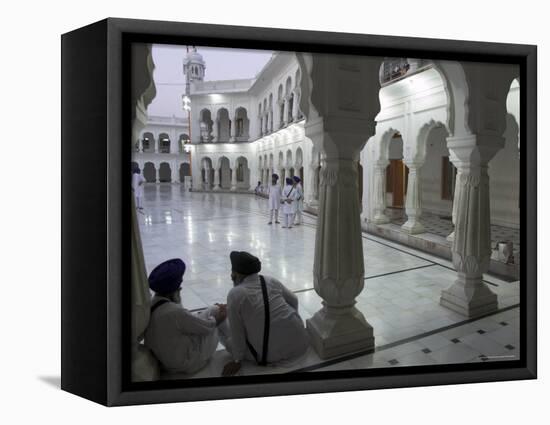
289 199
259 323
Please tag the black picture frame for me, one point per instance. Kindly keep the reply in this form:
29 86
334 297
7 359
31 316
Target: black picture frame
96 122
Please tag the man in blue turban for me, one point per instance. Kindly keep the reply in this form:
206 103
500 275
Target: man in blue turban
182 341
264 324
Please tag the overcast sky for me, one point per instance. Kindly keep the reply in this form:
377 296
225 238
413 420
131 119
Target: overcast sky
221 64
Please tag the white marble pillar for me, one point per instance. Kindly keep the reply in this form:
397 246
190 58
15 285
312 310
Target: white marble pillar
232 130
285 112
413 203
451 236
471 247
338 269
207 182
295 109
216 183
175 175
234 177
215 130
379 193
313 191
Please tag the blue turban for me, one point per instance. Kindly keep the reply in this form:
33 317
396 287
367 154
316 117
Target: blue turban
297 179
275 176
166 277
244 263
288 180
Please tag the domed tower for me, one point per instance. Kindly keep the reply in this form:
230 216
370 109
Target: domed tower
194 66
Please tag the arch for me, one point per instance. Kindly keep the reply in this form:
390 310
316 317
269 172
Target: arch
422 139
384 143
290 108
184 171
242 125
281 159
289 158
150 172
299 155
224 167
164 143
206 124
223 124
243 173
148 142
288 86
165 173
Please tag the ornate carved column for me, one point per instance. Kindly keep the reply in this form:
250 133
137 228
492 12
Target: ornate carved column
471 247
413 203
379 193
340 101
451 236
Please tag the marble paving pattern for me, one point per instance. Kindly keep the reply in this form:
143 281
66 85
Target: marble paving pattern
400 298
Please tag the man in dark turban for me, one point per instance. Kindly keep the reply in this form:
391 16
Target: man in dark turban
264 324
183 342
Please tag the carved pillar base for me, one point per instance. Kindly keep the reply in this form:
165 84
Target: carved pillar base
470 297
413 226
336 332
380 219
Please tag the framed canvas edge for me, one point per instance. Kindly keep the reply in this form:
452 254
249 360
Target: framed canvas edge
116 29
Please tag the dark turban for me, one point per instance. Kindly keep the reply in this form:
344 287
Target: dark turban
297 179
166 277
288 180
244 263
275 176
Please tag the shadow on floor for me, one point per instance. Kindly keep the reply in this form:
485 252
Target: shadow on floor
54 381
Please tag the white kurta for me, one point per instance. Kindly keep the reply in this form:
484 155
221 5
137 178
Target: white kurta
274 191
288 338
290 193
138 188
183 342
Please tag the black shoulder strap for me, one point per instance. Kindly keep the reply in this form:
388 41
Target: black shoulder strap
157 305
263 362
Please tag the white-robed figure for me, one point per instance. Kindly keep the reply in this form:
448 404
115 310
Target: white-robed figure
289 200
264 324
299 200
274 191
137 187
183 342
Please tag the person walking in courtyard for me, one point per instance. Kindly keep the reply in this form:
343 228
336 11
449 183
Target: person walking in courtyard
137 187
299 200
289 203
258 189
274 191
182 342
264 324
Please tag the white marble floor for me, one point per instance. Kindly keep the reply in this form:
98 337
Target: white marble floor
400 298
